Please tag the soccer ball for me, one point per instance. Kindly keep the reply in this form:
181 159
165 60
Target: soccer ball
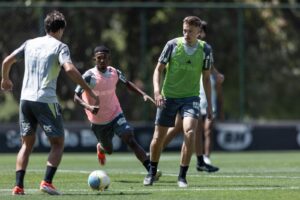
98 180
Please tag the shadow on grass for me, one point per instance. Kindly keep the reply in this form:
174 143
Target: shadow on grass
109 194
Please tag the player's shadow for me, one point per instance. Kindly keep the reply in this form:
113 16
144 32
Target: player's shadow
108 194
126 181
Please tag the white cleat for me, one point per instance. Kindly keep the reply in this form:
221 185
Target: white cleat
207 160
182 183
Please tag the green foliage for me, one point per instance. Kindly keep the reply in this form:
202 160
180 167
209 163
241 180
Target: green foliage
9 108
137 36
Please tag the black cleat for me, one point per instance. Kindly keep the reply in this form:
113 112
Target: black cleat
207 168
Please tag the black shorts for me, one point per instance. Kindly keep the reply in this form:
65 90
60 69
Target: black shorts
186 107
47 115
106 132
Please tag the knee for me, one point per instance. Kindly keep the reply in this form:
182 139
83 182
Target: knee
109 151
129 140
189 134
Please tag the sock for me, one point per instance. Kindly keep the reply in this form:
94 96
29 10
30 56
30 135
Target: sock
146 164
50 171
153 168
20 178
200 160
182 172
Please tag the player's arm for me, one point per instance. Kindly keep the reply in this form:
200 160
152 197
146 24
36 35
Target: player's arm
6 83
130 85
163 59
78 99
75 76
220 100
219 77
157 76
206 79
88 78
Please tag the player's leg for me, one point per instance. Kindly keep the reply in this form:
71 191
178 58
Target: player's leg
50 119
22 162
28 126
199 141
207 139
189 127
140 153
104 135
173 131
156 147
202 164
165 118
190 113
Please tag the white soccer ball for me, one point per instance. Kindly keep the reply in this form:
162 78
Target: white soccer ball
98 180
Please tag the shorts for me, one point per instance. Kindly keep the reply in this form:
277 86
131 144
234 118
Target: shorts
186 107
47 115
105 133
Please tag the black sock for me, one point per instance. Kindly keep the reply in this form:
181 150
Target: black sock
146 164
20 178
200 160
182 172
153 168
50 171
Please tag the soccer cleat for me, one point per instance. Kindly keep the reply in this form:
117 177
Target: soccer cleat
207 168
18 191
48 188
207 160
157 175
101 155
182 183
148 180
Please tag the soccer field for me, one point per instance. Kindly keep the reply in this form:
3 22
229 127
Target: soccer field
251 175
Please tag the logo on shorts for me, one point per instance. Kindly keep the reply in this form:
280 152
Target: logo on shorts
121 121
25 127
47 129
196 105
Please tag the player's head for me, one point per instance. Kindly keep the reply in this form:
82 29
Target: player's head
102 57
203 30
191 29
55 21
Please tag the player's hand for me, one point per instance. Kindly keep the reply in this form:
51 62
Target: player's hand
94 109
94 96
209 113
146 97
159 100
220 78
6 85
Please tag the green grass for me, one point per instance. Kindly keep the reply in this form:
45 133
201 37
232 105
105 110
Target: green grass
251 176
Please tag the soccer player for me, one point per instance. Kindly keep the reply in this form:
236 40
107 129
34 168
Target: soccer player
185 59
108 119
204 129
43 57
203 138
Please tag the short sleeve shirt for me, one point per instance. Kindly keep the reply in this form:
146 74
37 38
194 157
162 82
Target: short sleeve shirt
43 58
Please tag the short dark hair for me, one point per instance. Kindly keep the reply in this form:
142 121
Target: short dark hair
54 21
101 49
204 26
192 20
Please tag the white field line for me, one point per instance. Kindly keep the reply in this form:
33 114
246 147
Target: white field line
154 189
